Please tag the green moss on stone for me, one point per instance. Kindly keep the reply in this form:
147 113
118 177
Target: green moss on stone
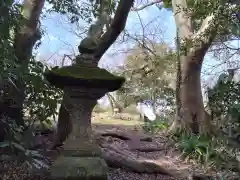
83 72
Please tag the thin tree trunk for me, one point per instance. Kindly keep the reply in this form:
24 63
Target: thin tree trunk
177 121
25 39
111 102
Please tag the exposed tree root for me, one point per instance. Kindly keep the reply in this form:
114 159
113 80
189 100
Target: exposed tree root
147 139
117 156
124 136
120 158
148 149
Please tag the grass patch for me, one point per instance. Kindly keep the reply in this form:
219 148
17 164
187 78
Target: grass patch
105 118
99 109
131 110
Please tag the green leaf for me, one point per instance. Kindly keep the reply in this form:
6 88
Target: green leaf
167 3
199 151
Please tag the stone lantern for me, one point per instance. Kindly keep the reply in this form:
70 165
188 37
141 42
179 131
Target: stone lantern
83 84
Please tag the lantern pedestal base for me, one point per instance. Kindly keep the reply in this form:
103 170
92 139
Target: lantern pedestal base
81 147
79 168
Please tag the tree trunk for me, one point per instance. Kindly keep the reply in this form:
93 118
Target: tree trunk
190 93
111 103
115 104
64 126
25 39
191 114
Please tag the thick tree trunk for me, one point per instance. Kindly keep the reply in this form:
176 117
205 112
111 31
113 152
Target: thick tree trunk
191 116
190 93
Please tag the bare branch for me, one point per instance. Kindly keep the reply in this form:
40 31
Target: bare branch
64 58
146 5
116 27
143 45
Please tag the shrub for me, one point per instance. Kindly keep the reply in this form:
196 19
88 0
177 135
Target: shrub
18 143
156 126
210 151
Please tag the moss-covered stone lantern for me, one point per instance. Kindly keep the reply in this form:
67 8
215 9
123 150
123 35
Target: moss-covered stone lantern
83 85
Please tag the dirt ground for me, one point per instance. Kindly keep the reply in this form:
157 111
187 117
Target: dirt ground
166 156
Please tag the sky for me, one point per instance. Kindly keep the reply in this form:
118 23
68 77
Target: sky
59 38
62 38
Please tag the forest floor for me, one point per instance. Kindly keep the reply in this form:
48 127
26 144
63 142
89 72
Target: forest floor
158 151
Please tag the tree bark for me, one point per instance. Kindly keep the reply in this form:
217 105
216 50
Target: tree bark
191 114
116 27
190 94
64 127
178 105
25 39
124 135
111 102
28 34
114 104
120 158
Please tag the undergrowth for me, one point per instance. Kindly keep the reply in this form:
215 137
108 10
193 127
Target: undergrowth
18 145
213 153
154 127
